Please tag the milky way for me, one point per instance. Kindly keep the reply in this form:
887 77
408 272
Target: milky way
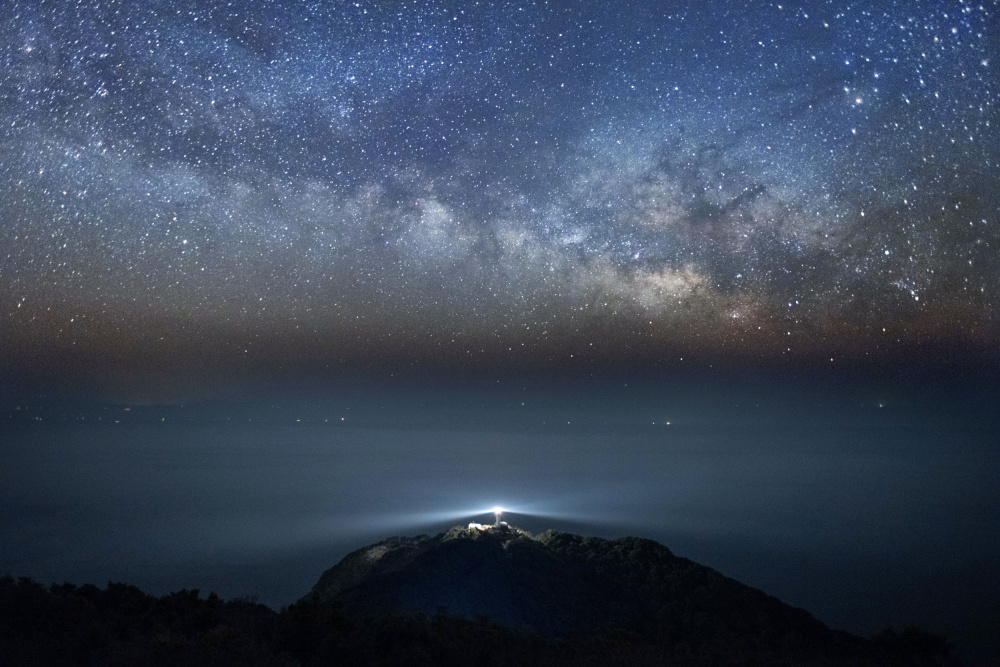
522 182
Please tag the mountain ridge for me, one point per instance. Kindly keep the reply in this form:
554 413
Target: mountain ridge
467 596
567 586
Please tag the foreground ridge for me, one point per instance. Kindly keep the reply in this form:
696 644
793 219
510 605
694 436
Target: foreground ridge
469 596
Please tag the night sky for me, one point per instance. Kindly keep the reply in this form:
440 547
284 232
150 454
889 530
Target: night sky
280 279
241 183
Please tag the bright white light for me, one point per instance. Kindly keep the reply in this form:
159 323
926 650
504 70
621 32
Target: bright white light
498 511
387 520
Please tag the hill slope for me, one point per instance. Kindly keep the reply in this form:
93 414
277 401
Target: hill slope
560 585
554 599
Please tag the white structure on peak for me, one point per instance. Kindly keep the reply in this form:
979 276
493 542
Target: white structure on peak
482 526
496 524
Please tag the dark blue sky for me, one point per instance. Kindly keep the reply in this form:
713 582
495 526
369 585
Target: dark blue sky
250 183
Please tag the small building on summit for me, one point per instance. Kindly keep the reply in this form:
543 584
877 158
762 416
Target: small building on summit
482 526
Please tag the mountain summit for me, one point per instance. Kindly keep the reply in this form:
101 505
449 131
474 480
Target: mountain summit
557 584
628 591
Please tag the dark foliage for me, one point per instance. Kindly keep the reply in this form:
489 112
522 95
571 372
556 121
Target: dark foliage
121 625
634 603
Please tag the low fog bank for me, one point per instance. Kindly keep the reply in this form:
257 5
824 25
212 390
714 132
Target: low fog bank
866 504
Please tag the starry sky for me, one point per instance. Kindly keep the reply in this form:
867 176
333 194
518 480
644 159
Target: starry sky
192 183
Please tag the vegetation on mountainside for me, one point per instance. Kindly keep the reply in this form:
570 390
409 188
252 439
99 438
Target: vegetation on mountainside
575 600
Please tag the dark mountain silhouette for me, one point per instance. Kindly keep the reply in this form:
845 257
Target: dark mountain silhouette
631 591
563 585
496 596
